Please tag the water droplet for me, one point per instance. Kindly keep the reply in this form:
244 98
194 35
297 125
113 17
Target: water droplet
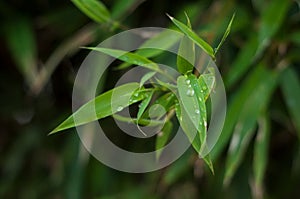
197 111
205 123
187 81
201 91
160 134
190 92
189 86
136 94
120 108
204 87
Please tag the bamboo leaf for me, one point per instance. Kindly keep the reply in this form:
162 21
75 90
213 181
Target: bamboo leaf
146 77
242 63
191 113
207 83
271 20
225 34
143 105
261 146
94 9
152 47
166 85
246 124
128 57
290 86
162 105
123 7
236 105
141 121
194 37
186 53
163 137
21 42
104 105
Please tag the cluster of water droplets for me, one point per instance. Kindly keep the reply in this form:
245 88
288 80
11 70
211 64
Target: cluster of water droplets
133 99
190 91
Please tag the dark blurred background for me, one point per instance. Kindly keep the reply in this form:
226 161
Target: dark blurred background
40 55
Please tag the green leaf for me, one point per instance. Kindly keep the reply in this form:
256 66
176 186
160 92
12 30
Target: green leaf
104 105
246 124
186 53
261 146
166 85
271 20
225 34
94 9
179 169
241 64
201 109
152 47
191 113
123 7
21 43
236 104
146 77
194 37
207 83
128 57
162 105
141 121
162 138
290 86
238 146
144 104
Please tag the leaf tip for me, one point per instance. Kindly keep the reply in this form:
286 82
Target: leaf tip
170 16
52 132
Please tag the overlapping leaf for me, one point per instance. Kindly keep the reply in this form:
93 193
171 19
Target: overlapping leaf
246 124
104 105
194 37
128 57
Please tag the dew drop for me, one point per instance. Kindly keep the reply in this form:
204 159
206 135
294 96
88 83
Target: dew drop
120 108
136 94
197 111
190 92
204 87
189 86
187 81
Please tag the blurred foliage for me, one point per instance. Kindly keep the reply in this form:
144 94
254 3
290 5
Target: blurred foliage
258 153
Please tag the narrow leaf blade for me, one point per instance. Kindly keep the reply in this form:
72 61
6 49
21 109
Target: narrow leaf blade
194 37
102 106
163 137
128 57
260 158
94 9
290 86
225 34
